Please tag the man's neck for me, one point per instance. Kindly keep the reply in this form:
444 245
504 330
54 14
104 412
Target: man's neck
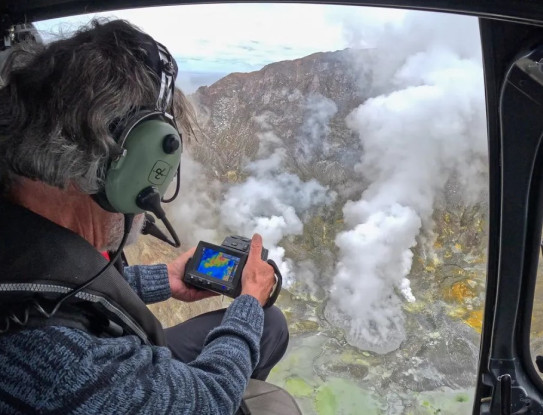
69 208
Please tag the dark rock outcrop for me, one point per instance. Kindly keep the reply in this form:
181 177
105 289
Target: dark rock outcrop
303 103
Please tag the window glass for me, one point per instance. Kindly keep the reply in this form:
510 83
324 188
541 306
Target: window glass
354 141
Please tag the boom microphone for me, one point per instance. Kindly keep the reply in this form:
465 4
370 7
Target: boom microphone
149 228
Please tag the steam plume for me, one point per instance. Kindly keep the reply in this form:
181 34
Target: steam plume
425 124
273 202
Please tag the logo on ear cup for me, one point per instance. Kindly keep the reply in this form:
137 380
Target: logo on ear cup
159 172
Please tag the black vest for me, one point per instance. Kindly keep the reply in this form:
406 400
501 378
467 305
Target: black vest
40 261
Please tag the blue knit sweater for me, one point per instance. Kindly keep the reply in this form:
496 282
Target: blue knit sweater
59 370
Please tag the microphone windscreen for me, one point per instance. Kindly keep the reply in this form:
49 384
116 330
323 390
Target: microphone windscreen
149 228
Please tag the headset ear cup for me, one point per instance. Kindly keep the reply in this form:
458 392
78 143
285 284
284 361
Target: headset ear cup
152 155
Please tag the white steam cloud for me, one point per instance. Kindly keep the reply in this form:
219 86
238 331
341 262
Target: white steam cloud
195 212
426 125
272 202
312 145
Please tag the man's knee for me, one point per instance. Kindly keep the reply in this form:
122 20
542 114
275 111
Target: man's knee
274 342
275 326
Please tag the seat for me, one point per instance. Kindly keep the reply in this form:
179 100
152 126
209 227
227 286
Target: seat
262 398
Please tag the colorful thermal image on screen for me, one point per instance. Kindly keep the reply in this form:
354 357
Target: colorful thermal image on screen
218 264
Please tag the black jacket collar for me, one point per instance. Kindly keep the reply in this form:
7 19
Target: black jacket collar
39 259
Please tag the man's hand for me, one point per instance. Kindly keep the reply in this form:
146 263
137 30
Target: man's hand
181 291
258 276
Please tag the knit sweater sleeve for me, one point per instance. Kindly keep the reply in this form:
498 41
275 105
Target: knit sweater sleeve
150 282
72 372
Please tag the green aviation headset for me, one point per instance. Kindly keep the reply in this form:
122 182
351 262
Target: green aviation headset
151 146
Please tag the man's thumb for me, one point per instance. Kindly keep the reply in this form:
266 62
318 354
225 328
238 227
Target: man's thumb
256 247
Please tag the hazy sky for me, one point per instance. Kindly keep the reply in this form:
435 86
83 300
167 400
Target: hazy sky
225 38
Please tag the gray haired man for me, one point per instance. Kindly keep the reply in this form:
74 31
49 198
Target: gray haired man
99 350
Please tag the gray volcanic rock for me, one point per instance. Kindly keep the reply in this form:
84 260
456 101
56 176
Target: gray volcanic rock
303 103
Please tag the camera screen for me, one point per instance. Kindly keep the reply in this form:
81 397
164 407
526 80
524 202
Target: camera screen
217 264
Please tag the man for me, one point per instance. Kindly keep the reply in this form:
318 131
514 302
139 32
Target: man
93 350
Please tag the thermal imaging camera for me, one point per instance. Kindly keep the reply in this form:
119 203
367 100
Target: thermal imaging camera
218 267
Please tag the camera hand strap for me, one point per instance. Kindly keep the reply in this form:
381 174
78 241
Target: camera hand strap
277 286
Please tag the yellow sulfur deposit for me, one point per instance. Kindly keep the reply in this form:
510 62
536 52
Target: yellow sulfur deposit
460 291
475 320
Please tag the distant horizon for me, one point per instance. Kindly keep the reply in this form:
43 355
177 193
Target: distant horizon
190 81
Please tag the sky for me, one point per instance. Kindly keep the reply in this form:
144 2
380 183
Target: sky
210 41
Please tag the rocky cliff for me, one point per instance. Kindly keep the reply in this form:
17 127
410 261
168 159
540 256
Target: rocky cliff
303 102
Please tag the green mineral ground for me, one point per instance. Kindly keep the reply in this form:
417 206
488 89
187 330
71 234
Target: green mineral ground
350 394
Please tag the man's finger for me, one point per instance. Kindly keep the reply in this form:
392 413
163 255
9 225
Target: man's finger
256 247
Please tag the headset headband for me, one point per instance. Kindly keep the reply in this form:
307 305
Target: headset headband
160 61
168 73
